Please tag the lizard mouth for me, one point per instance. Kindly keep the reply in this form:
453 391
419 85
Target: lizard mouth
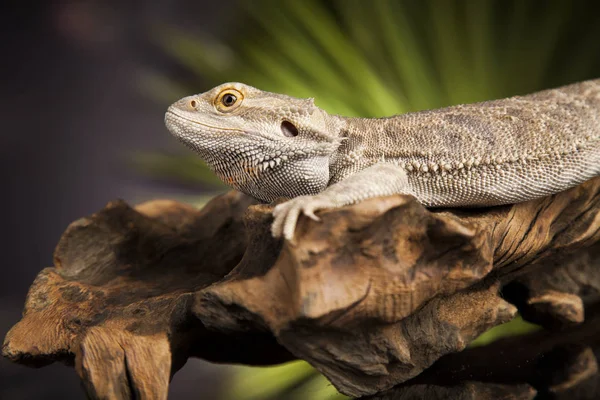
180 118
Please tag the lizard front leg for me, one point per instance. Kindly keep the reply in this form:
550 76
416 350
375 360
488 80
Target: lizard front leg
377 180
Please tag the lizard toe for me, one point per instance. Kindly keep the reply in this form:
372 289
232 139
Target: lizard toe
289 225
285 216
310 213
276 227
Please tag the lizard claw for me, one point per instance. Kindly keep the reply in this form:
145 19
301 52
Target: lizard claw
286 214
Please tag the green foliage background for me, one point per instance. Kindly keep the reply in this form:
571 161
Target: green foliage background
373 59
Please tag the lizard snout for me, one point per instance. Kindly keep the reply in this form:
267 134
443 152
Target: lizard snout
190 103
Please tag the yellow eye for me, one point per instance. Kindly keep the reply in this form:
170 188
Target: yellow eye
228 100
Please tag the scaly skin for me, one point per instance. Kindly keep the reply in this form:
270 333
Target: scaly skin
497 152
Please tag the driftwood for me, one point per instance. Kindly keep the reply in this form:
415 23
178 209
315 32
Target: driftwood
372 296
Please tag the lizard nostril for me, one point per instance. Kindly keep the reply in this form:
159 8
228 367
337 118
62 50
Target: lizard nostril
289 129
193 104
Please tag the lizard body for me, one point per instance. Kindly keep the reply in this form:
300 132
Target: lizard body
491 153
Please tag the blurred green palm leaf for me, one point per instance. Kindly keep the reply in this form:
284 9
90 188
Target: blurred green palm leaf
375 59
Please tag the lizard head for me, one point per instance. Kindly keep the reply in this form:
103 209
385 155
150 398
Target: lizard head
264 144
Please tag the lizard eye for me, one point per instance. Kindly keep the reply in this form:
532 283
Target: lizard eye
228 100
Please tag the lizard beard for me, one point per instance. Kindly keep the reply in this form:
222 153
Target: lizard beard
270 179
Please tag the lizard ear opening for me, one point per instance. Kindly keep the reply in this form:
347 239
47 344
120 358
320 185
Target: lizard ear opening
289 129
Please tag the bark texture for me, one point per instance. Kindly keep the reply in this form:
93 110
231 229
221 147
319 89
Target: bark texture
372 296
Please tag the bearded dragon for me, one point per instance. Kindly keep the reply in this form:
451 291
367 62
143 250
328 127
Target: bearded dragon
498 152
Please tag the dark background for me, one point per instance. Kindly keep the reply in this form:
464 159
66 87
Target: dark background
74 110
71 111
